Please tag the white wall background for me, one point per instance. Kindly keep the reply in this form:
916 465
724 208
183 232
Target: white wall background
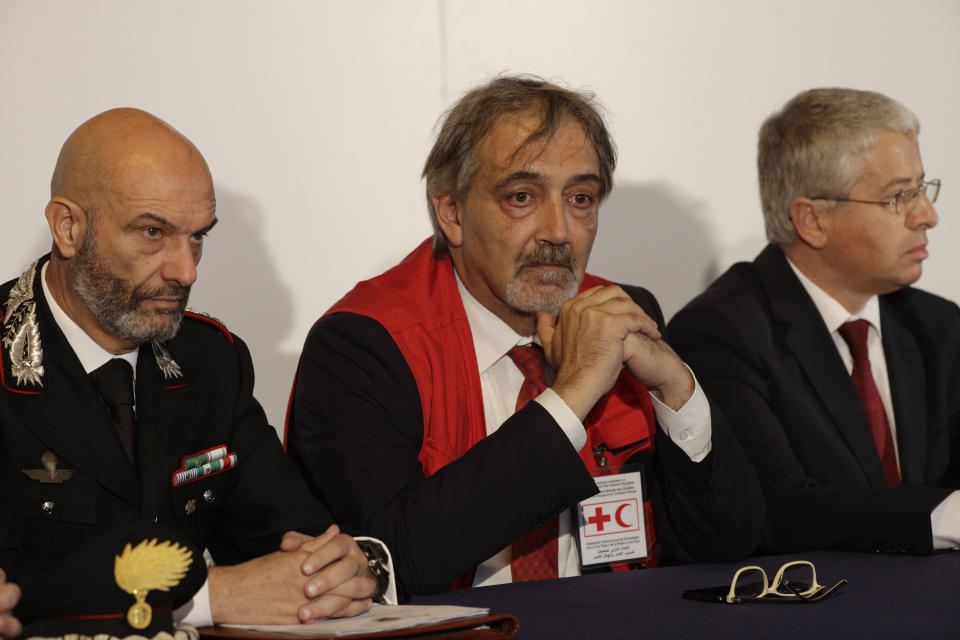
316 117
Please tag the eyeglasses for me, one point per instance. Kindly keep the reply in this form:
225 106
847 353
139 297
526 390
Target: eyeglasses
794 581
904 203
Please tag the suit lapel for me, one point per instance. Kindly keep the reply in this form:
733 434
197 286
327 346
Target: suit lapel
164 408
67 414
907 384
806 335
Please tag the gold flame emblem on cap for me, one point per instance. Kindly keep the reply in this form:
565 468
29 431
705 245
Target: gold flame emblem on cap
147 567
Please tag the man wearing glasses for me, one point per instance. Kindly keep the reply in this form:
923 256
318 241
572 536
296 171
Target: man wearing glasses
839 377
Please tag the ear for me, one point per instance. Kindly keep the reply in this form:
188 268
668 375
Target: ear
68 225
807 220
448 209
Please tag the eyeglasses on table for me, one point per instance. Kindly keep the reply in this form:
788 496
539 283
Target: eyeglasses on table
796 580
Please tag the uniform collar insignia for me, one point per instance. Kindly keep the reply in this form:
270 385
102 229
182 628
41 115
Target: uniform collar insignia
21 336
168 366
21 332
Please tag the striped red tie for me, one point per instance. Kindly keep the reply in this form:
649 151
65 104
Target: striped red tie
855 335
534 556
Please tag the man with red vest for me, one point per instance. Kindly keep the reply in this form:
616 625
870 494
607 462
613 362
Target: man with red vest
426 411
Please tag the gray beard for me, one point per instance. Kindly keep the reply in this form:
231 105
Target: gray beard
116 307
522 289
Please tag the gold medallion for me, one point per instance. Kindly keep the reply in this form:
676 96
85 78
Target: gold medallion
149 566
140 614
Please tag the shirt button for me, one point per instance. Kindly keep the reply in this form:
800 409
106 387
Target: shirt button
47 507
684 435
208 496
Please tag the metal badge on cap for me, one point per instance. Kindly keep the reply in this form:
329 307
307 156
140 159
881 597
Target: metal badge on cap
149 566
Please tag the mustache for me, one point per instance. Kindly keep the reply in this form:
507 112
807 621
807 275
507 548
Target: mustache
167 291
554 255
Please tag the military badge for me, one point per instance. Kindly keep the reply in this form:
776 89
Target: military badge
168 366
21 332
149 566
205 463
49 473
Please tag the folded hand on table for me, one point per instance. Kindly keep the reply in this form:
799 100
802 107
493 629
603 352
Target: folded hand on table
309 579
9 595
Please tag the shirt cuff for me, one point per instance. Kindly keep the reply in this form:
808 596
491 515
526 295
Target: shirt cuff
689 428
197 611
390 597
565 417
945 523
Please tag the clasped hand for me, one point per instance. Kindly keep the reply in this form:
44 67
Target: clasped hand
9 595
310 578
599 332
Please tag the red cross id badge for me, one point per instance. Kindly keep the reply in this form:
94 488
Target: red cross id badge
611 527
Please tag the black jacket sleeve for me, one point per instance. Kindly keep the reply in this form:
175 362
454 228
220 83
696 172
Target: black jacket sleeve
356 429
816 490
710 510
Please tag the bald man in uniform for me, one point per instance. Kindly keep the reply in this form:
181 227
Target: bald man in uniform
131 203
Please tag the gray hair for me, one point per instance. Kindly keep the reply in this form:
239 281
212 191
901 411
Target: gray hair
452 163
810 148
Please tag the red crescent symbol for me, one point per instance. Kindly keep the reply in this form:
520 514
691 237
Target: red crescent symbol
619 519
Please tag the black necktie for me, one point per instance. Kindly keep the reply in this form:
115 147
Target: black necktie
114 380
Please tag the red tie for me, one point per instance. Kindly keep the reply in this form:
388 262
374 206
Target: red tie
534 556
855 335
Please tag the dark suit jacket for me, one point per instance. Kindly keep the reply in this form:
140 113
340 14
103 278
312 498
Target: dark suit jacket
761 349
238 514
356 429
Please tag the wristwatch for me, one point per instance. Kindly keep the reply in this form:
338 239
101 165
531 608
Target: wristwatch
377 563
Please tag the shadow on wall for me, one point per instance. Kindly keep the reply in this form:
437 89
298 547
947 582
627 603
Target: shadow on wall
653 236
239 284
41 246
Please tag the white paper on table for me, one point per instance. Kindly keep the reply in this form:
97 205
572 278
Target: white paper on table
380 617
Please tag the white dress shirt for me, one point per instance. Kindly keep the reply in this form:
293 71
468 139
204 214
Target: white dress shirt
945 518
500 383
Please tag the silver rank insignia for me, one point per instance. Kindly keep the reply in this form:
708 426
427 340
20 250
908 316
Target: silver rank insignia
165 361
21 332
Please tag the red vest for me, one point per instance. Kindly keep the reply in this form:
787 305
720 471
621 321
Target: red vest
418 303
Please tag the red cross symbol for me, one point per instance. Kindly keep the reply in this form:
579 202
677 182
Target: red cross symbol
598 518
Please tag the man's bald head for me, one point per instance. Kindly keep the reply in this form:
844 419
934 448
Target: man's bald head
107 151
131 202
